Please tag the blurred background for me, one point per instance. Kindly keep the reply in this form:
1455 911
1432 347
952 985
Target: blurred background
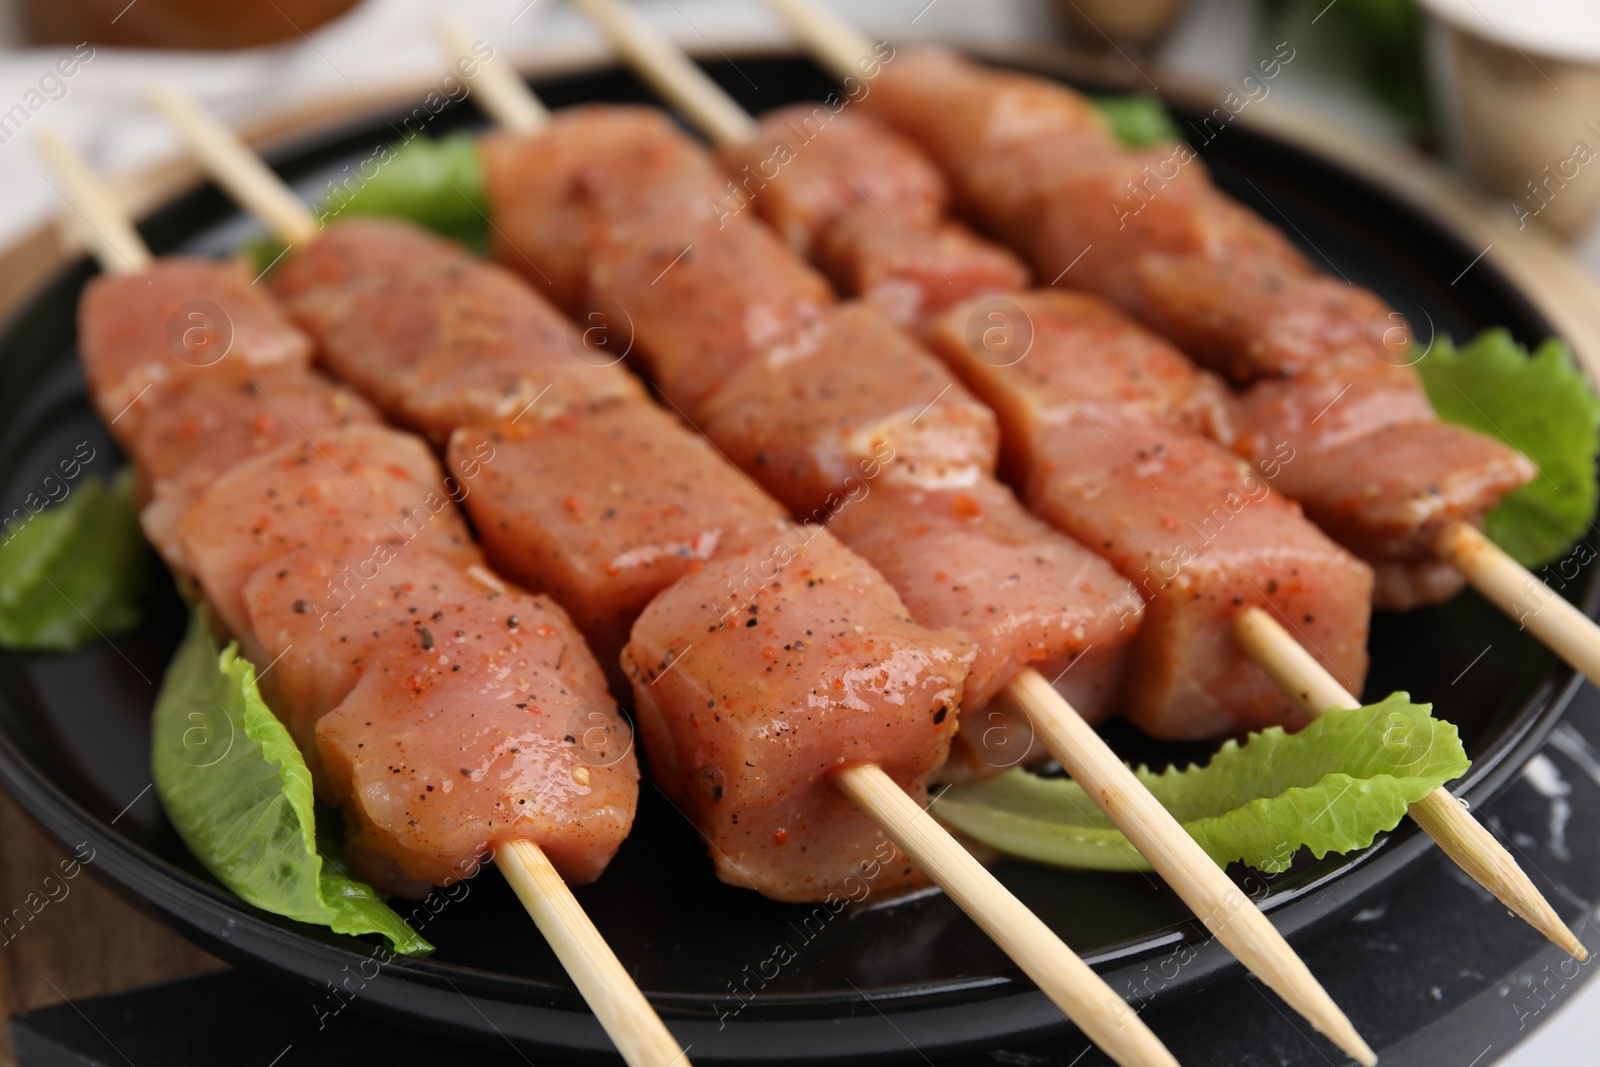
1507 91
1503 93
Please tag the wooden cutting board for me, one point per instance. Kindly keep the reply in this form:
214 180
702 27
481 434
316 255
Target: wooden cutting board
91 942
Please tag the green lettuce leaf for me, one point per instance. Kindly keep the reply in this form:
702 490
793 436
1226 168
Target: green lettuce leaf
434 183
239 794
1332 787
74 572
1540 405
1137 119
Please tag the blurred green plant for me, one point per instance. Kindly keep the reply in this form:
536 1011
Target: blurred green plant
437 184
1377 44
75 572
1138 119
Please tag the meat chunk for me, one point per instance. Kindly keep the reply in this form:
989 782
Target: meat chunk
757 676
180 319
1339 401
841 401
558 194
436 338
1048 359
973 559
1202 537
1359 446
912 272
316 621
960 112
439 765
747 291
867 207
1389 494
1252 318
362 493
605 509
806 164
205 426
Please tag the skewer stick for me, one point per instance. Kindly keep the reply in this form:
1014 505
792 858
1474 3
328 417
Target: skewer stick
1515 590
501 92
1071 984
1075 988
606 985
1568 632
116 244
239 170
1232 917
619 1005
832 41
670 72
1462 837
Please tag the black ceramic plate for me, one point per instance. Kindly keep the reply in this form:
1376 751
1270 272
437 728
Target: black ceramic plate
74 735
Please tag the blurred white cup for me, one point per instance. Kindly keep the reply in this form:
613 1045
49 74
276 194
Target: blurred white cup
1517 86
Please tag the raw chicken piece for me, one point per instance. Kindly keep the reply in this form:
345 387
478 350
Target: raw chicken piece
1356 442
866 207
746 289
1252 318
180 319
317 620
436 338
960 112
1388 495
913 272
806 165
556 195
205 426
1202 537
605 509
1026 595
438 765
757 676
363 493
839 403
1046 359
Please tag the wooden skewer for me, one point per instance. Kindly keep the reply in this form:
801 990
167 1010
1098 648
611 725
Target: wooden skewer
1230 916
1515 590
671 73
116 244
1462 837
607 987
609 990
240 170
1070 983
839 47
1075 988
835 44
501 92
